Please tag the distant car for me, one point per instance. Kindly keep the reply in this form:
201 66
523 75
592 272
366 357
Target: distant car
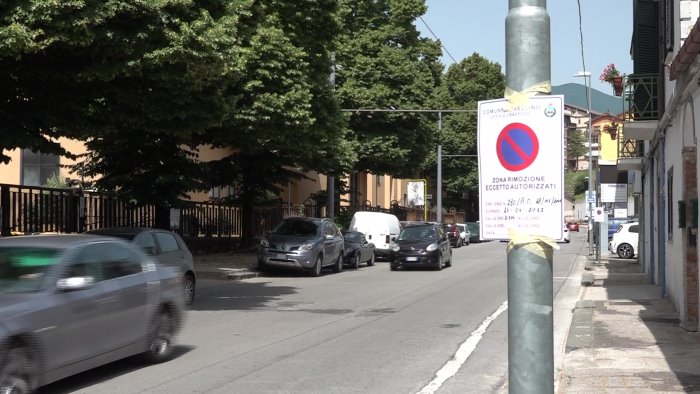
453 234
625 241
473 232
301 243
572 226
357 249
70 303
422 246
464 233
166 246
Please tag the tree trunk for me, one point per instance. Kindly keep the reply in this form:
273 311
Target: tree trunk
247 226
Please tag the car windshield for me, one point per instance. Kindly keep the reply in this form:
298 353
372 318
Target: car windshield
297 227
353 237
418 233
461 228
22 269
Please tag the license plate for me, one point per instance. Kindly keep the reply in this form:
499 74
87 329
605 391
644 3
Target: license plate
281 256
411 258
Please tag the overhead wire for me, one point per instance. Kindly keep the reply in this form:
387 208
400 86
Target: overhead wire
439 40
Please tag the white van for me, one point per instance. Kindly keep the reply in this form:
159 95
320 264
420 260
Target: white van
380 228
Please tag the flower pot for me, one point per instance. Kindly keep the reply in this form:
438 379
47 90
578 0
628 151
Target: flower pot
613 134
617 85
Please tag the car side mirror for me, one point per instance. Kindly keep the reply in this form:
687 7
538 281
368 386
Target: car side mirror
75 283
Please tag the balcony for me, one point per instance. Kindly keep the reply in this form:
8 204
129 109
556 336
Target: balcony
642 118
629 153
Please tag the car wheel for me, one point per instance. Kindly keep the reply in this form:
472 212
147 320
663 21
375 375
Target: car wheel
625 251
370 262
356 261
394 267
160 346
449 261
189 284
438 267
567 240
338 266
316 270
262 267
16 374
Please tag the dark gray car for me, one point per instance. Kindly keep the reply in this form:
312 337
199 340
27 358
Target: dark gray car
166 246
303 243
69 303
424 245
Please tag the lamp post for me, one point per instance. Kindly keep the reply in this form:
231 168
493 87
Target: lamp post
587 78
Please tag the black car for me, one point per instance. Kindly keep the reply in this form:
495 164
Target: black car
424 245
452 234
357 249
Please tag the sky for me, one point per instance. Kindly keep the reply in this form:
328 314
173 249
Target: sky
468 26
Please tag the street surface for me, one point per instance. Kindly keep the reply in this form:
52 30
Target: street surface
360 331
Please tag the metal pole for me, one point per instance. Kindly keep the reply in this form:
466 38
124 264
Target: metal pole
439 171
590 166
530 325
330 202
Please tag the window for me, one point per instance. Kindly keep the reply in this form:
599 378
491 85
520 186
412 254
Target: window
145 241
37 168
119 261
167 242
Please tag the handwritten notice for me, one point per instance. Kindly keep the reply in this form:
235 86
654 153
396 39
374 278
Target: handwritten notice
521 168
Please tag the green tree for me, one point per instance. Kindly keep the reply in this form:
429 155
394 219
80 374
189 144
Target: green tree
383 63
140 81
575 144
465 84
286 120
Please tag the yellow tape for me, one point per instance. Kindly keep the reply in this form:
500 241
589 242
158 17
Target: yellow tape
532 243
516 98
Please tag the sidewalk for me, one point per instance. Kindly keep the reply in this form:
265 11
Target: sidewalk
227 266
625 338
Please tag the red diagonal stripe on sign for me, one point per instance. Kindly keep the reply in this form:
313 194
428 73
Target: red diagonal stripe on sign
516 147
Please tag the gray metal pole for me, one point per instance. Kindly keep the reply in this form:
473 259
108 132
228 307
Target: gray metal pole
530 325
590 169
438 192
330 186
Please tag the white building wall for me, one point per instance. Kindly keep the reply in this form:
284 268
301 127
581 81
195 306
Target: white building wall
675 283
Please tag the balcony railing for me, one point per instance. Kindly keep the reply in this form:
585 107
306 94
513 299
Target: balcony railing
641 91
629 149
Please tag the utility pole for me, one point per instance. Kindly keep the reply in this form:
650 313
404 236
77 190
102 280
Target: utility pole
330 185
530 326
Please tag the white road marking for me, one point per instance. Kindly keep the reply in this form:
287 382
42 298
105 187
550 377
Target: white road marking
463 352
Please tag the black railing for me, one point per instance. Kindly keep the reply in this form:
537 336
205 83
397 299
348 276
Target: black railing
642 93
629 148
28 209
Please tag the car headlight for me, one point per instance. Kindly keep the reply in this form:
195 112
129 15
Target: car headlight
395 248
433 246
306 247
264 243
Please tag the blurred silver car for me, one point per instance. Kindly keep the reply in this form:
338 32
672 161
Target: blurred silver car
166 246
303 243
69 303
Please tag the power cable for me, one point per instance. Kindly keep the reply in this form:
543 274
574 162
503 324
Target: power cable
439 40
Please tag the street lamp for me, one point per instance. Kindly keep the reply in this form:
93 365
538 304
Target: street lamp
587 79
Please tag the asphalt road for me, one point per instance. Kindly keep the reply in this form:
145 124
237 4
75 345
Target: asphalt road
360 331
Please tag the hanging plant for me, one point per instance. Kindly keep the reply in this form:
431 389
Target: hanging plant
611 129
612 76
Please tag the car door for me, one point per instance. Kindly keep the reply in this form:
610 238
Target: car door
80 319
329 243
169 252
444 243
124 272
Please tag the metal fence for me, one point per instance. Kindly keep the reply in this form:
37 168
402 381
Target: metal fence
30 209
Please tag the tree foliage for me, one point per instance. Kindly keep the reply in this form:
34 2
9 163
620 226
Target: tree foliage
383 63
465 84
139 81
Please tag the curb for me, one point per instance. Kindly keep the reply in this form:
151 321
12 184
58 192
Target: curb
228 274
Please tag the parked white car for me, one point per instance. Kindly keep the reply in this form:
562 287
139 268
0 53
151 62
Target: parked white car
625 241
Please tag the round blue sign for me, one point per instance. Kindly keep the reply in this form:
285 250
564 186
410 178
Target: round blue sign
517 147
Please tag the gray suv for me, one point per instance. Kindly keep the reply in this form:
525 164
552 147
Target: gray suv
299 243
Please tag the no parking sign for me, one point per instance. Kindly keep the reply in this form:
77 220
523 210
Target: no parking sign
521 167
